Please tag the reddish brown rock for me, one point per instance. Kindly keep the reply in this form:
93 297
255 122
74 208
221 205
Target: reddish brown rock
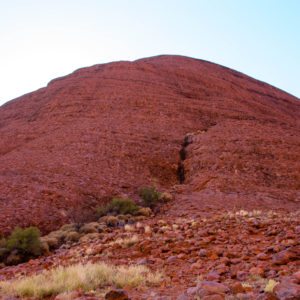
117 294
237 288
257 271
286 256
296 277
109 129
287 290
208 288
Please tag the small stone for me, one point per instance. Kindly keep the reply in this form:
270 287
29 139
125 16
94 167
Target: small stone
171 259
144 261
262 256
207 288
285 256
257 271
237 288
117 294
202 253
241 275
213 276
287 290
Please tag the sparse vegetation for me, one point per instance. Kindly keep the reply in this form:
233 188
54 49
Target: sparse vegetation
21 245
149 195
118 206
85 277
25 241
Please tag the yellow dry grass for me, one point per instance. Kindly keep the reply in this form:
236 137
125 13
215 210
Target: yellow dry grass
270 286
85 277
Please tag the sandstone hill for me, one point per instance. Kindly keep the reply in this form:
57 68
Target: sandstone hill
185 125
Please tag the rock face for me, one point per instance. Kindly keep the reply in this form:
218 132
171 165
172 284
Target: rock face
109 129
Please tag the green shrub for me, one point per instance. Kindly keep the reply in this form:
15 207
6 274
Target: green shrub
118 206
25 241
149 195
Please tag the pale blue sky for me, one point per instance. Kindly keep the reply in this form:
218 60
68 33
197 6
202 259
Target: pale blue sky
44 39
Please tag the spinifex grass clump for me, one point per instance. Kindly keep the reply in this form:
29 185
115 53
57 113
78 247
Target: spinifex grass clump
118 206
84 277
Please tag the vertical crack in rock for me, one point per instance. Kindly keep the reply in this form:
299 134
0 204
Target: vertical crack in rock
182 156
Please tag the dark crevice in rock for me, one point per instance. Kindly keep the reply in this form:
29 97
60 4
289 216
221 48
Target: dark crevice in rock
182 156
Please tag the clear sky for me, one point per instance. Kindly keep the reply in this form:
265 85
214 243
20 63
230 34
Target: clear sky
44 39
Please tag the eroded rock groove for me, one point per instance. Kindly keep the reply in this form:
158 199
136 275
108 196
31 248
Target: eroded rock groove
182 156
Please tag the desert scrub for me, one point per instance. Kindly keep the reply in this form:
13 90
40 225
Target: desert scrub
149 195
26 241
85 277
118 206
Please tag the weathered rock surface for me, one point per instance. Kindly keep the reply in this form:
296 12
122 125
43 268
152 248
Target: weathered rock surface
109 129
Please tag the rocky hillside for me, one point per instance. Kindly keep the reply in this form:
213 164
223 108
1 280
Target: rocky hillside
108 129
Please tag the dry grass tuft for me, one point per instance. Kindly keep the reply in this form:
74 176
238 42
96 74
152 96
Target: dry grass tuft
270 286
85 277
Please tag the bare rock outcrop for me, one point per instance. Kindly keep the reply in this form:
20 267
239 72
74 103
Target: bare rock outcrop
109 129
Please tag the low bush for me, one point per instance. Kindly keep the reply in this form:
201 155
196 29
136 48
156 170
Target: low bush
118 206
25 241
149 195
84 277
